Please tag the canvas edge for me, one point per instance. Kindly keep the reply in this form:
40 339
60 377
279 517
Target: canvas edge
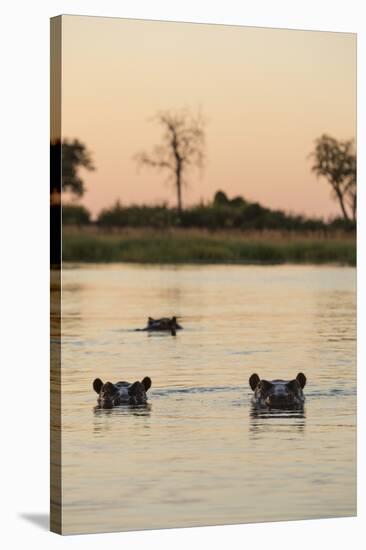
55 275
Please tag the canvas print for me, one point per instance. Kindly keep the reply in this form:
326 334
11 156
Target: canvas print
203 274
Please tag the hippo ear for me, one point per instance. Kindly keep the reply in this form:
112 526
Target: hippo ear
301 378
146 383
97 385
254 381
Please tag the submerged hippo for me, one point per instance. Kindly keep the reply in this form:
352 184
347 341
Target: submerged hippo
278 394
111 395
168 324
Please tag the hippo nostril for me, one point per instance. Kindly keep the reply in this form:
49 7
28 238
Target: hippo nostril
279 400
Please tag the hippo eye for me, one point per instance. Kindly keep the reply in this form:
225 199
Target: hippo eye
292 386
265 385
135 388
109 388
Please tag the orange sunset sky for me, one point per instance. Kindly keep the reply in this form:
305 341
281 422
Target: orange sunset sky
266 95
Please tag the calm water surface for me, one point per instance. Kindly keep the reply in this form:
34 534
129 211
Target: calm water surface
198 454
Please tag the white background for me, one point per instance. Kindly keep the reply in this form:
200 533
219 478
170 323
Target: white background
24 356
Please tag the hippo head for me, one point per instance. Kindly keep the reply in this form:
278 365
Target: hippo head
163 324
278 394
111 395
137 391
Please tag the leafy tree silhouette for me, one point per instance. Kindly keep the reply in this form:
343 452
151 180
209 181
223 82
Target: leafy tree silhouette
66 159
336 161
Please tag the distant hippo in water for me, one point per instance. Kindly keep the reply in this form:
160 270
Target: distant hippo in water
278 394
111 395
167 324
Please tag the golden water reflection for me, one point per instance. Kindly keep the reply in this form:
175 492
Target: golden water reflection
199 454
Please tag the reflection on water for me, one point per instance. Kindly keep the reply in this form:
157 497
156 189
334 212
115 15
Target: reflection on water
263 421
199 453
272 414
102 423
124 410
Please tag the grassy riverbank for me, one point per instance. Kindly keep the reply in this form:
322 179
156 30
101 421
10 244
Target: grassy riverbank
191 246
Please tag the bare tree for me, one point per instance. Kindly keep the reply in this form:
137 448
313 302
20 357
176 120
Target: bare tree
336 161
181 148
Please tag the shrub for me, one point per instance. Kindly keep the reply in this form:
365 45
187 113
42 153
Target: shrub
73 214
